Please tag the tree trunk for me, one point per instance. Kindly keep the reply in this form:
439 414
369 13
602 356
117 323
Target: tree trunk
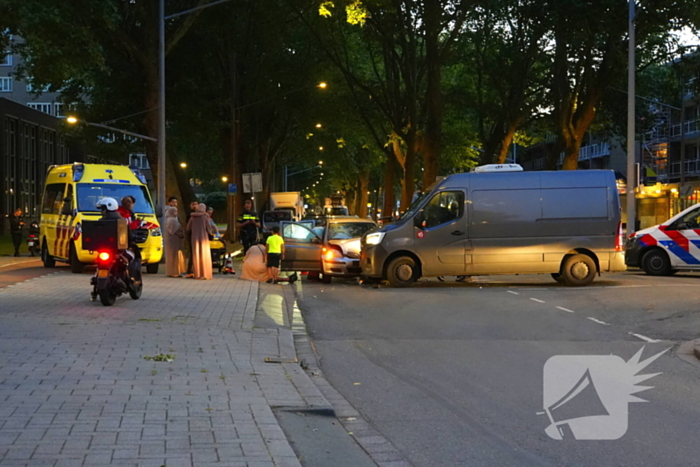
389 200
409 185
363 195
433 128
505 143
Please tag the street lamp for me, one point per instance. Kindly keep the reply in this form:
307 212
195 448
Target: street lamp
183 165
224 179
318 125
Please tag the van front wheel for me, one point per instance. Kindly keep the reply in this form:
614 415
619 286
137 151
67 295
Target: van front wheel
46 258
578 270
402 272
76 267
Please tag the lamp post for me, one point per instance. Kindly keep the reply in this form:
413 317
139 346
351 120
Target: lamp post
72 120
631 156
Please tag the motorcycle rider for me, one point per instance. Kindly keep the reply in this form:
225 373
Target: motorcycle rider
110 210
126 211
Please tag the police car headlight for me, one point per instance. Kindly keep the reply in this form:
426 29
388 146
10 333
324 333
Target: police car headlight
374 238
156 232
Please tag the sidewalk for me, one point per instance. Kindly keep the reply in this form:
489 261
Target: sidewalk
76 387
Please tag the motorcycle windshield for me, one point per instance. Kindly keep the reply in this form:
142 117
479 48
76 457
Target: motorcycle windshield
90 193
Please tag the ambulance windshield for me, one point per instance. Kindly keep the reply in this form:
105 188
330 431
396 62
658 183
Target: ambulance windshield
90 193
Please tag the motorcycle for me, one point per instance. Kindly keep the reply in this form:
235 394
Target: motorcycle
33 239
112 277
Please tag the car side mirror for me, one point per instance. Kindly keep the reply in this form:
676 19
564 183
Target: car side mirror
67 208
315 240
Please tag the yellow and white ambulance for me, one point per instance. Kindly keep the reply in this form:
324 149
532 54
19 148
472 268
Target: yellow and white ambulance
70 196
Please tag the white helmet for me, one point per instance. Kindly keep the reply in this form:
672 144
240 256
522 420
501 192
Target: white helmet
108 203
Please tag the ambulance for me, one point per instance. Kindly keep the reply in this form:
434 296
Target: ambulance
665 249
70 196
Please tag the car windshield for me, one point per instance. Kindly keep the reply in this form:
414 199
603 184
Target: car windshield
337 211
277 216
90 193
348 230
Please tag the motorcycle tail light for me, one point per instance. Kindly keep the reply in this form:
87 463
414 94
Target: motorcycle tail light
104 256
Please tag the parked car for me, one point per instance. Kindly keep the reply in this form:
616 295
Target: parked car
331 249
665 249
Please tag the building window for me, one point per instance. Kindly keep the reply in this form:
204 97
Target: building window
6 60
5 84
45 107
139 161
58 109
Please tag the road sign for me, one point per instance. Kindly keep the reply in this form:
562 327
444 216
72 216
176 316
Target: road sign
232 189
252 183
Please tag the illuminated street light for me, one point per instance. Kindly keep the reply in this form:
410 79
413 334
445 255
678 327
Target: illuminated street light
323 85
318 125
320 148
183 165
224 179
72 120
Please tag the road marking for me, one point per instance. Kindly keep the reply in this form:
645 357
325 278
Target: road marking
514 293
537 300
19 262
599 321
565 309
645 338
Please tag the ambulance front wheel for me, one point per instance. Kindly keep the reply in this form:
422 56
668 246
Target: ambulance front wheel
76 267
46 258
657 263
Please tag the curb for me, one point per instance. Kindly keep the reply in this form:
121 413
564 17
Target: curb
689 352
696 351
377 447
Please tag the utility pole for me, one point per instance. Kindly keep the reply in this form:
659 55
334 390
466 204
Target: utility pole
631 152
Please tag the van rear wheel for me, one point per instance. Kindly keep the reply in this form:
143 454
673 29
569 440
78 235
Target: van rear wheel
402 272
46 258
578 270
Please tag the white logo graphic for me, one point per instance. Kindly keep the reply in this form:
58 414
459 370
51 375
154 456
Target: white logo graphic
586 396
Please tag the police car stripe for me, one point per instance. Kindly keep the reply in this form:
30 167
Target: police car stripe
679 239
677 250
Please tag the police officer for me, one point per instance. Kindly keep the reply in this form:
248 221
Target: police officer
16 226
249 224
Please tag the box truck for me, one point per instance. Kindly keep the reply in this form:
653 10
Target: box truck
291 201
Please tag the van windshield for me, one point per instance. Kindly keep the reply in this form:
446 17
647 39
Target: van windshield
414 205
90 193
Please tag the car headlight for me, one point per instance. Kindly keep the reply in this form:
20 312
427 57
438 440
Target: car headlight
332 253
156 232
374 238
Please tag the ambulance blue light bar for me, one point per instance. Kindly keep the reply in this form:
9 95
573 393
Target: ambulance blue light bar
140 176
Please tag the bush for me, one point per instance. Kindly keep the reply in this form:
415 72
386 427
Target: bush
216 200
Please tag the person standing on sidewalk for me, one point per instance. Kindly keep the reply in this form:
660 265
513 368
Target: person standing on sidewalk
16 227
275 253
188 239
174 233
200 229
249 224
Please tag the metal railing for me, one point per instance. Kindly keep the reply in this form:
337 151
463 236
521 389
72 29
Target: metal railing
591 151
673 169
656 134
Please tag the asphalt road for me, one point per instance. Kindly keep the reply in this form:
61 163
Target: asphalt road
14 270
453 374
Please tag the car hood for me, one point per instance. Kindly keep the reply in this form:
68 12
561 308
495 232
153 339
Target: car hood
348 245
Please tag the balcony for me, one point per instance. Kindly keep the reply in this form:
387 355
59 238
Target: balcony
673 170
592 151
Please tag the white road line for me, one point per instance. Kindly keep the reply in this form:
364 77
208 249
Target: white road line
645 338
514 293
599 321
536 300
565 309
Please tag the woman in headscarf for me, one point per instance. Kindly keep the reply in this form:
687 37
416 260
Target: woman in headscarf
174 257
200 229
255 264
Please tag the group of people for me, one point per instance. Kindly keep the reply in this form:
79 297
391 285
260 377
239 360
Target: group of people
200 226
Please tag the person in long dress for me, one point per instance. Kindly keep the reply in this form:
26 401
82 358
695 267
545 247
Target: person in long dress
174 234
199 228
254 264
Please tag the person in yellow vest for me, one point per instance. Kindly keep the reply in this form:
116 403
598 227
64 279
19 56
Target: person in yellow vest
249 223
275 253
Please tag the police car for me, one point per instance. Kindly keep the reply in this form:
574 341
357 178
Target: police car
667 248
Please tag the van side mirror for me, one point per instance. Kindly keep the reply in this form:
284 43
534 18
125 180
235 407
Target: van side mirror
67 208
419 220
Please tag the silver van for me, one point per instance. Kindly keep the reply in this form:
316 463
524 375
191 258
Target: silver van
564 223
